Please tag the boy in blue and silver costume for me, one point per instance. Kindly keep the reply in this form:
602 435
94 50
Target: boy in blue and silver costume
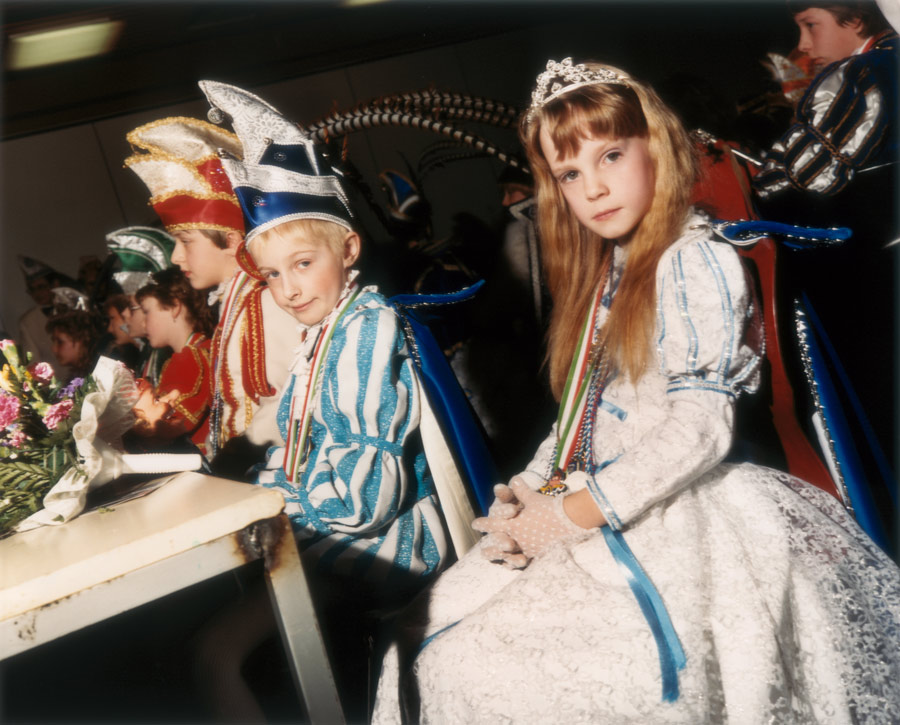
361 447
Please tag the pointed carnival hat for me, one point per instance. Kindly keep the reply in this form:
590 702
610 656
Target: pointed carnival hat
141 252
283 176
177 158
34 268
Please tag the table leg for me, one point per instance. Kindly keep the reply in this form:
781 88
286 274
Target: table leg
297 622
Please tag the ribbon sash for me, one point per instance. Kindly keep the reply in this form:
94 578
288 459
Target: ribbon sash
573 415
301 414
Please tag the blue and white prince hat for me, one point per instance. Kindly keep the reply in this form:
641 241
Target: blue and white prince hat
283 175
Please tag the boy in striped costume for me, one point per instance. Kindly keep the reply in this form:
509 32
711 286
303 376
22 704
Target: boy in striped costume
356 467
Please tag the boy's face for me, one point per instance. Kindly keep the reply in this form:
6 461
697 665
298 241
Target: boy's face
306 276
824 39
203 263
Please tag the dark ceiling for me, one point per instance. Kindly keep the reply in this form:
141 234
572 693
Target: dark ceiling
166 46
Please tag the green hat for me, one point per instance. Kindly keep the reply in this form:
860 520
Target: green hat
141 251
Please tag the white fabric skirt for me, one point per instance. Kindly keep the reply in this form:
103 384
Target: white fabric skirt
787 613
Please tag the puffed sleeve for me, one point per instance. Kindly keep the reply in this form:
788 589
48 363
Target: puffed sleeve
704 306
356 482
842 123
188 372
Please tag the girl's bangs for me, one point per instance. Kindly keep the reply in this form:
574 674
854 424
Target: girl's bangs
605 111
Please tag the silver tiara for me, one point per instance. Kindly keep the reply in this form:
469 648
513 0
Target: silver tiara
564 76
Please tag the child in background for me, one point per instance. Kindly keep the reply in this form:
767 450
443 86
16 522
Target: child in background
177 317
836 166
646 581
255 339
139 252
73 336
122 346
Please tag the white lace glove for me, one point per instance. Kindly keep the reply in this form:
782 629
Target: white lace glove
505 504
499 547
540 523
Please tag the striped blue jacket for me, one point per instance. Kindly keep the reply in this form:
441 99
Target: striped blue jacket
364 505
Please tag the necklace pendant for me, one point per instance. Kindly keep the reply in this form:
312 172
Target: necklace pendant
555 486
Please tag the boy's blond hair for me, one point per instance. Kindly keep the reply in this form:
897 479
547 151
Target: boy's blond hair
316 230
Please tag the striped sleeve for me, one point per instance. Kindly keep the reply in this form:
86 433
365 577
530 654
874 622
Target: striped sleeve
842 125
356 482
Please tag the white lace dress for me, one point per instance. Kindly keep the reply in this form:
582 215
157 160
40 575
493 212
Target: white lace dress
786 611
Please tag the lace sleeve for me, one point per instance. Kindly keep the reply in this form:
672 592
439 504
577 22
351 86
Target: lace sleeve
703 306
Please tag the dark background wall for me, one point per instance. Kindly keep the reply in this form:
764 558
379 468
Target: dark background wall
63 182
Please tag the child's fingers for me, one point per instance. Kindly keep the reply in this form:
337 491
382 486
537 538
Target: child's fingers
524 493
504 510
489 525
500 541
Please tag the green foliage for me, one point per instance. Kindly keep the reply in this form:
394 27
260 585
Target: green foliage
38 447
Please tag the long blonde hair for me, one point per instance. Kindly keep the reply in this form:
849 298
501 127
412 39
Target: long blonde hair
576 260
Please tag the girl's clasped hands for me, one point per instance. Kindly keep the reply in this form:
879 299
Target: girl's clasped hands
522 524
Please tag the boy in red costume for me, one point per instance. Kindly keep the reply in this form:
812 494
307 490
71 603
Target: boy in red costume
255 340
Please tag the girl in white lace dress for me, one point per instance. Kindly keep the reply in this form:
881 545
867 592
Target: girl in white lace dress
628 575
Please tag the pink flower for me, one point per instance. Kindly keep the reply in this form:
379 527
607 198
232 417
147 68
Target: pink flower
9 410
42 372
18 439
6 343
57 413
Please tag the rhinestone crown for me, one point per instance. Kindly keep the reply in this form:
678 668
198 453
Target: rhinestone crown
564 76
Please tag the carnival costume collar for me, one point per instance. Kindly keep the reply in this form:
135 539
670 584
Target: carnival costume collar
284 176
350 287
564 76
217 293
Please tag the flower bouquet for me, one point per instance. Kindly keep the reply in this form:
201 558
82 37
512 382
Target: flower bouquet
58 442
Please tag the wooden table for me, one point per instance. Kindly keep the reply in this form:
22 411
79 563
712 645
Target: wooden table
57 579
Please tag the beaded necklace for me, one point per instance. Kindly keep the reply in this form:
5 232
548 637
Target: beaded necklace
585 383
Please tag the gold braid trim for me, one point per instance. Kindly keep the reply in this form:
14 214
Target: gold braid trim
253 349
187 226
211 196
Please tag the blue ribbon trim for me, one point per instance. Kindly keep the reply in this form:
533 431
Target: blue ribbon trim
450 405
671 654
748 232
262 207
